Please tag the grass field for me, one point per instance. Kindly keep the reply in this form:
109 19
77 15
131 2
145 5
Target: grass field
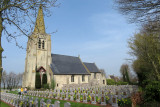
3 104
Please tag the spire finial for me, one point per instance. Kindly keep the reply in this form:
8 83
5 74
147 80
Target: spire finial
40 26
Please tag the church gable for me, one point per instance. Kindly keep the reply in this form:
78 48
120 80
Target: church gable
92 67
67 65
41 69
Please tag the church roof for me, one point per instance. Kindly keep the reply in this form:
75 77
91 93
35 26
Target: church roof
92 67
67 65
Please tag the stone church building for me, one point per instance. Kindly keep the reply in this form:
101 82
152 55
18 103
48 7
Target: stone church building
65 70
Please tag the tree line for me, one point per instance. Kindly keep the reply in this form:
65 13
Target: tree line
11 80
145 44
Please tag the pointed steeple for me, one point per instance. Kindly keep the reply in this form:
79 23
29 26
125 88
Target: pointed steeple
40 26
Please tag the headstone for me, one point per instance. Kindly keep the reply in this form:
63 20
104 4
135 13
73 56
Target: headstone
67 104
85 98
52 105
44 104
48 101
103 100
114 101
57 104
78 97
41 102
66 96
71 97
36 103
30 103
93 99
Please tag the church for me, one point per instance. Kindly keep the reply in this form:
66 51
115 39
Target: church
66 70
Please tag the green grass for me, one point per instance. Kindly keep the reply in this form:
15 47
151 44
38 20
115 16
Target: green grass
3 104
73 104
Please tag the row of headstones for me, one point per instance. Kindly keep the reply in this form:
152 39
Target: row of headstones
49 93
112 88
76 85
106 86
23 101
97 92
101 97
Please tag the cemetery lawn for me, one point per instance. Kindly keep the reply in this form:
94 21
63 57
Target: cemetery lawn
73 104
2 104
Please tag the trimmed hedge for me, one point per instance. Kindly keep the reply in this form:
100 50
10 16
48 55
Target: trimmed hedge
112 82
44 80
53 84
38 81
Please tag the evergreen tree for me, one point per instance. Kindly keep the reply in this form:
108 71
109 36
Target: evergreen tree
38 81
44 79
125 72
53 84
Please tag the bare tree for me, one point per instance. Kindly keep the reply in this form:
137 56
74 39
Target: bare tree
125 71
13 80
19 15
10 80
18 80
4 75
140 10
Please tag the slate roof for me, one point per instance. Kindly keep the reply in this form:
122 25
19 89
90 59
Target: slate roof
67 65
92 67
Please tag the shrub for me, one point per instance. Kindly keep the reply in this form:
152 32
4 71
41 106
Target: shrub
44 80
69 96
137 98
110 82
152 91
38 81
121 83
89 98
124 102
46 86
53 84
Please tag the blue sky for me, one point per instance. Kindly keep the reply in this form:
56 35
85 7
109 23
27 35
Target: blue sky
92 29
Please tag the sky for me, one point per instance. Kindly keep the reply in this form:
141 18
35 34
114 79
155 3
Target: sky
93 29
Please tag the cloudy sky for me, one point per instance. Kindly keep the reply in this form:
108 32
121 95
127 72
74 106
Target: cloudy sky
93 29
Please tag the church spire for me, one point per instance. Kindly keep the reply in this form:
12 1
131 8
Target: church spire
40 26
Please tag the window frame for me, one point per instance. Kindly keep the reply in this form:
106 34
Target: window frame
94 75
39 43
83 78
103 81
72 78
43 44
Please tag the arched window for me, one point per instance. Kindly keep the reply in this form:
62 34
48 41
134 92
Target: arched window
39 43
94 75
43 44
72 78
103 81
83 77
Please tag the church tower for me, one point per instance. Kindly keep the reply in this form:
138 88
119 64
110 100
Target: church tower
38 56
